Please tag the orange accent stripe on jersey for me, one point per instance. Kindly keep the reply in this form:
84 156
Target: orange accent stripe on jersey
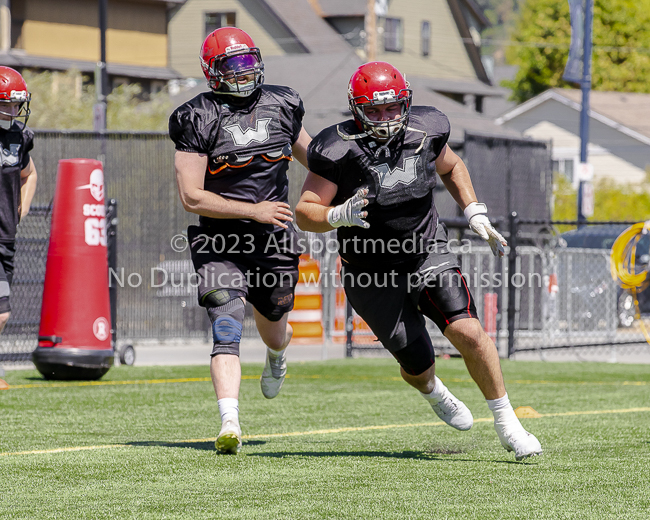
226 165
287 157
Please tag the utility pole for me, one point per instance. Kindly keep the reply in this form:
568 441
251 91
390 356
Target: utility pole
101 77
585 86
371 31
5 26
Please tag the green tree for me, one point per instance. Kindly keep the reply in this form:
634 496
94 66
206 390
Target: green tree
64 101
611 201
542 34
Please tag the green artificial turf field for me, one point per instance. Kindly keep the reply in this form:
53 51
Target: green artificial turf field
344 439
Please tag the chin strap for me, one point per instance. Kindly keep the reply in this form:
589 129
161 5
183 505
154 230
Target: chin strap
384 148
422 132
363 135
347 137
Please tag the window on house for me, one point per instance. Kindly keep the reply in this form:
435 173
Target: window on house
17 33
426 38
565 167
218 20
393 35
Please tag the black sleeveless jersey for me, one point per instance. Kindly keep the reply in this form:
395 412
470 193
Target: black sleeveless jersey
248 144
401 212
15 145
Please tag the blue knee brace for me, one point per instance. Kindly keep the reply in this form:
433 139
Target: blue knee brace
227 326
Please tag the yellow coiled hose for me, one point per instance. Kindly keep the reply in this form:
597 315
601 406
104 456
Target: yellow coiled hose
623 269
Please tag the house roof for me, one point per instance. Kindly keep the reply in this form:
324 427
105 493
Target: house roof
626 112
628 108
332 8
459 8
476 87
463 119
311 30
168 2
20 59
476 12
322 80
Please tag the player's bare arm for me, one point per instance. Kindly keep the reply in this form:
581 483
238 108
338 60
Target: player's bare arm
311 211
299 148
190 175
28 177
455 177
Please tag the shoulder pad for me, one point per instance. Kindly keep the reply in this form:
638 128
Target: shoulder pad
188 123
332 143
282 93
430 120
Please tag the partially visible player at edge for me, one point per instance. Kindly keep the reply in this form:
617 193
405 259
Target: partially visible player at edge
17 175
372 179
233 147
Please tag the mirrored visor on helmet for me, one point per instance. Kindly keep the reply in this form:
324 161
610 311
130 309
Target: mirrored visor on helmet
237 64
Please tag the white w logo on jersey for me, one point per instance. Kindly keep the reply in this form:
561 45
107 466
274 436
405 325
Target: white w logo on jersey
389 178
9 157
260 134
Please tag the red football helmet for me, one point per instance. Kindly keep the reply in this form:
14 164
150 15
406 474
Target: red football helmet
379 83
14 97
231 63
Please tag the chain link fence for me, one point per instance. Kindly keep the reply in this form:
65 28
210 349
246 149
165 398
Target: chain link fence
149 280
565 297
559 297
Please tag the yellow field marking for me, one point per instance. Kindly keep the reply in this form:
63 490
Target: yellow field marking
289 376
527 412
312 432
113 383
350 429
60 450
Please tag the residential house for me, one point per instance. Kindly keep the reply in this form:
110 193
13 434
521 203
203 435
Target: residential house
314 46
619 131
435 39
278 27
63 35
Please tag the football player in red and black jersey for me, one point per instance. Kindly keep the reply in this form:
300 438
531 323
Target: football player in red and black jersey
372 179
233 146
17 175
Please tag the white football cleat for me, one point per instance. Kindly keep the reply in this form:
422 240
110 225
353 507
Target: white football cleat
523 444
453 411
273 374
229 439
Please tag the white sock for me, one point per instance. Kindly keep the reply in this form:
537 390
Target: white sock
504 415
274 354
229 408
436 393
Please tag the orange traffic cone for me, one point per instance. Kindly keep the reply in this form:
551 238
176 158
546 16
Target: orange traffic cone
74 340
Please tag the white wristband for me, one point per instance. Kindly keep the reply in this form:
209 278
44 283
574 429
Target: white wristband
334 216
474 208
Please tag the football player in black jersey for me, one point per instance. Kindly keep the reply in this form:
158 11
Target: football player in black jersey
17 175
233 146
372 179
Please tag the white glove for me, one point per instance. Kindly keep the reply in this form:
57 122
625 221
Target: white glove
476 215
350 213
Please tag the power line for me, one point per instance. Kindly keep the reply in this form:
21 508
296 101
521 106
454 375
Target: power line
549 45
